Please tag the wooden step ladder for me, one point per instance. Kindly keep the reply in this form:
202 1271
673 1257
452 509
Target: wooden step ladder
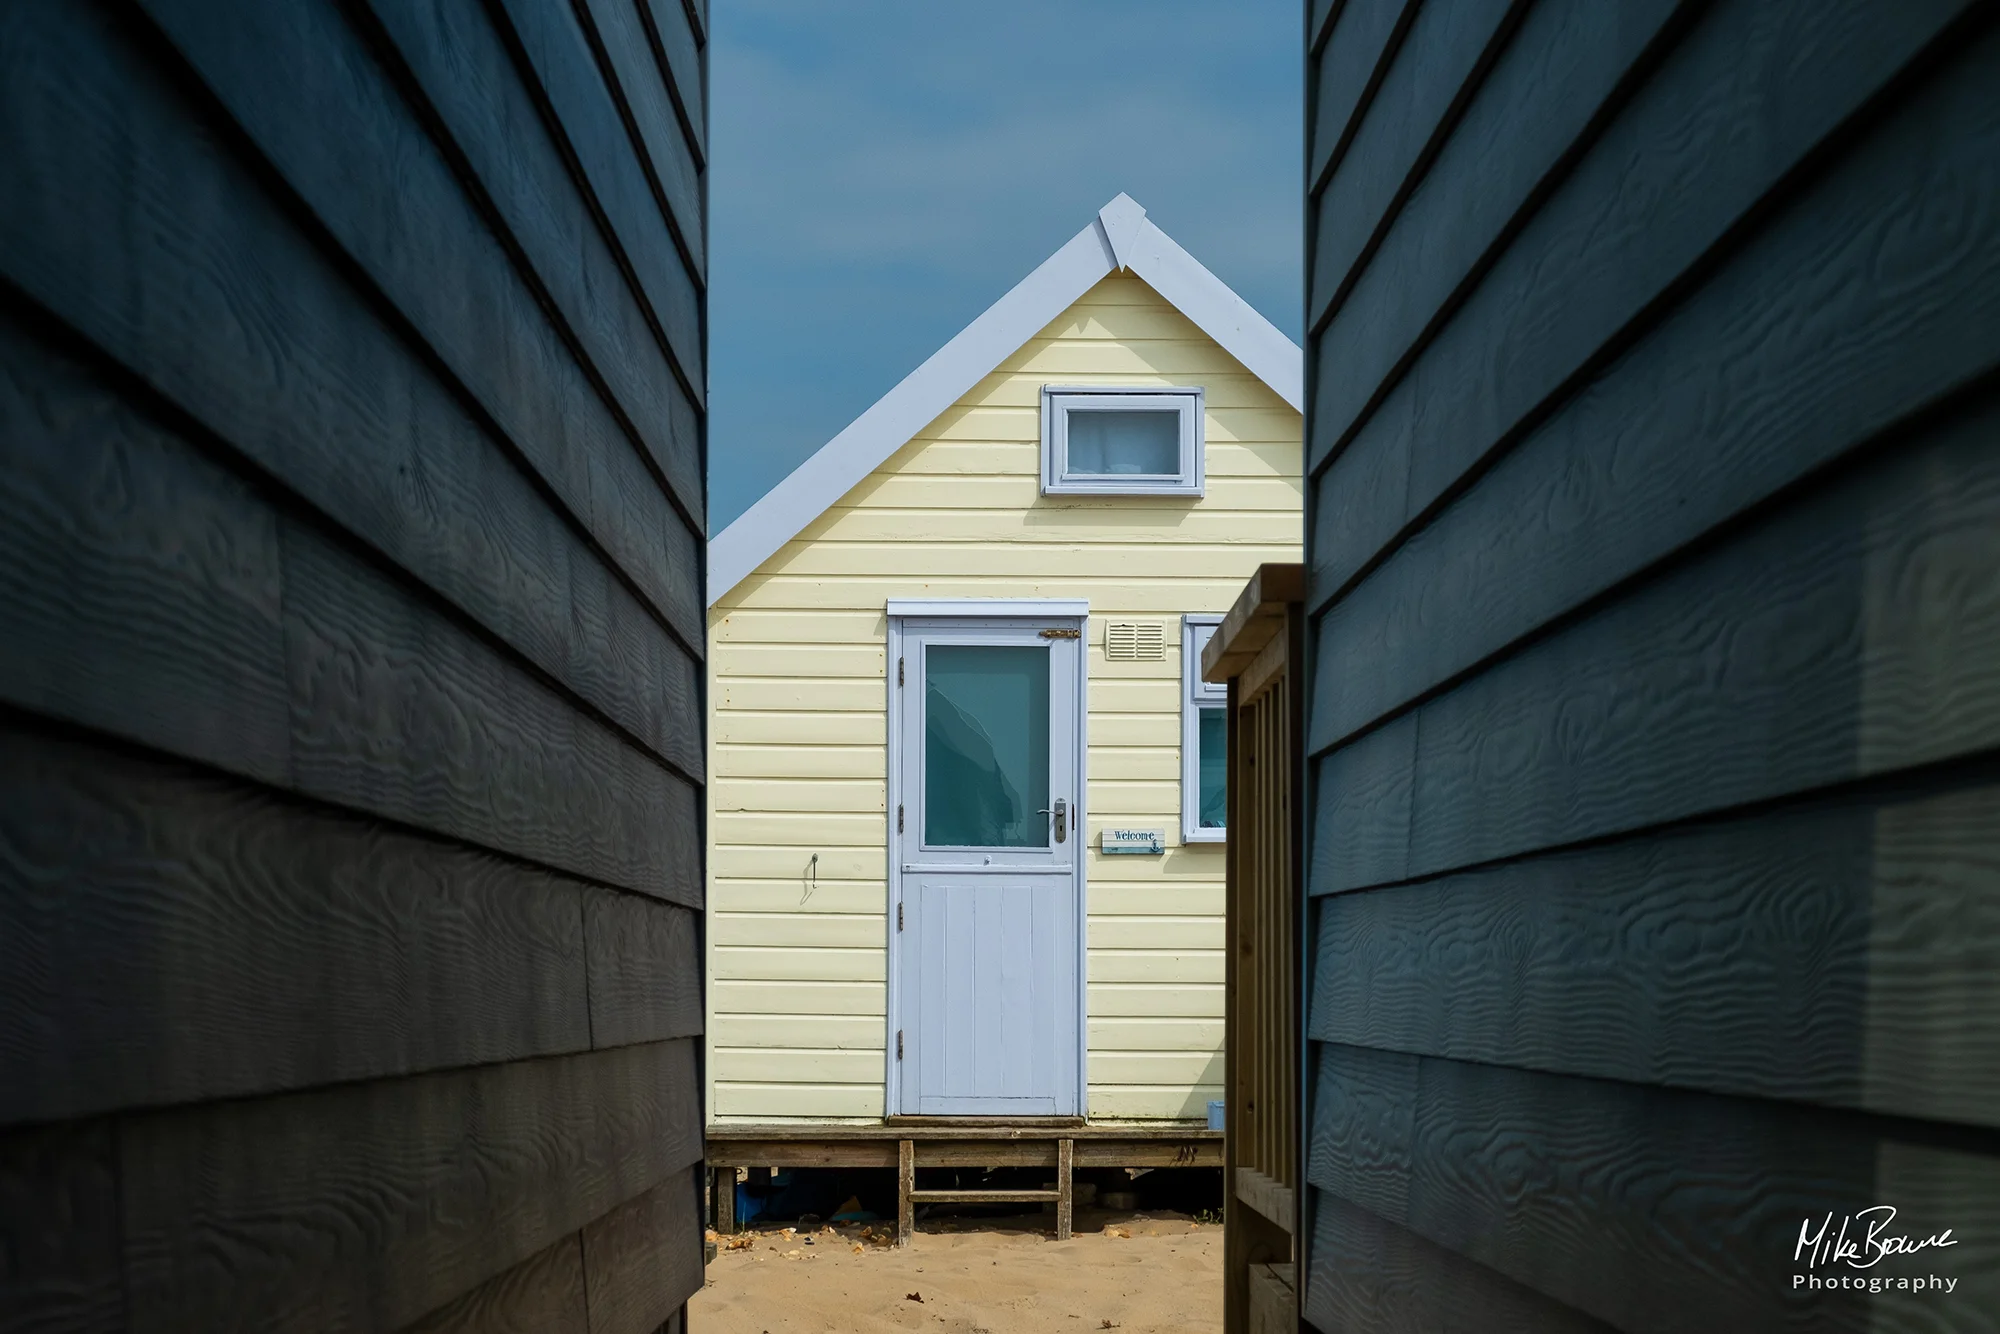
908 1197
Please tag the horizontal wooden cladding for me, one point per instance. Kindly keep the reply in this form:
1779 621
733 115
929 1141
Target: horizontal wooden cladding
1839 954
1798 351
171 936
813 1102
1155 998
544 1294
761 963
645 969
311 669
1849 634
1434 72
1514 137
1165 359
667 152
466 78
371 1205
1345 73
1650 202
1368 1275
969 454
1030 561
1133 594
1022 491
1669 1210
662 245
59 1230
347 417
818 996
1164 1102
643 1259
672 29
394 711
324 113
1023 389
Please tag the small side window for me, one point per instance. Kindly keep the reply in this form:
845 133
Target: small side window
1110 442
1204 740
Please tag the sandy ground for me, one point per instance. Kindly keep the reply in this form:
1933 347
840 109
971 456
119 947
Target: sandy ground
1144 1274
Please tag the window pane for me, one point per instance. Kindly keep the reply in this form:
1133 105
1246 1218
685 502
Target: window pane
986 746
1120 442
1212 760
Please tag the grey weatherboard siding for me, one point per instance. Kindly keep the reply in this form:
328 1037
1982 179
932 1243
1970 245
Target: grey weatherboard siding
1654 731
351 532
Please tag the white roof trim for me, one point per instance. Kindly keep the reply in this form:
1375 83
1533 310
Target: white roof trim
1041 607
1120 236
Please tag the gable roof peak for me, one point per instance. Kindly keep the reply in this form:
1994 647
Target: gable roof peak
1121 220
1120 238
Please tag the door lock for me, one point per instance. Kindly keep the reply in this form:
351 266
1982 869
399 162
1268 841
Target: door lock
1061 811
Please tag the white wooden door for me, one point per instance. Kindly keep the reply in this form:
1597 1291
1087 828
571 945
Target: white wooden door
989 1009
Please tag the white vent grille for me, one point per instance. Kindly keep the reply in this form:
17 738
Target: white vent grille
1135 641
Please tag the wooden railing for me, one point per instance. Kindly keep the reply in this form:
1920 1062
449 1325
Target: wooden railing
1256 651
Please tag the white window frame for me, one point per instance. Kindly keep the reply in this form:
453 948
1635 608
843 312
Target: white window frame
1196 695
1059 400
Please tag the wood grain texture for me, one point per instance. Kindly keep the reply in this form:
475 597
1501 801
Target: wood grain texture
1846 954
1850 634
202 287
619 39
645 969
398 712
1666 183
1361 809
1656 1210
1369 1276
323 112
643 1259
368 1206
1569 59
1436 68
1877 293
470 83
173 542
170 936
140 585
544 1294
550 41
675 43
1346 71
59 1231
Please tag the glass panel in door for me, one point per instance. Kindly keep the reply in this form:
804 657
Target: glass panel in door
986 746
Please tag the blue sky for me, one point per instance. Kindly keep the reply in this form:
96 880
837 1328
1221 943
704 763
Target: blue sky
883 170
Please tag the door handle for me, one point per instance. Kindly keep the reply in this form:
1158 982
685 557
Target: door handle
1061 811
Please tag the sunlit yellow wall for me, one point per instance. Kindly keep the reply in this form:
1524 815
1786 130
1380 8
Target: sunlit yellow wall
797 964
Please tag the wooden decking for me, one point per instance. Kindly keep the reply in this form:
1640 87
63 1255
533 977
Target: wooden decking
909 1143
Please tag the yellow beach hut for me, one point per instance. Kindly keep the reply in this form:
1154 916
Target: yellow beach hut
965 825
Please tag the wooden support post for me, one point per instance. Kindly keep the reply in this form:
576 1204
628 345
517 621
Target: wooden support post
906 1182
1065 1193
723 1183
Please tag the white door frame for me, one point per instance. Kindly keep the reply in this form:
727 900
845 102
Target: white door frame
900 611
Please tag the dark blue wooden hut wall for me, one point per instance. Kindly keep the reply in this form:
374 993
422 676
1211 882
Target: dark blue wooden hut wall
351 532
1654 734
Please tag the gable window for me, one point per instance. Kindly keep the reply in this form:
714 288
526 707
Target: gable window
1204 739
1116 442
